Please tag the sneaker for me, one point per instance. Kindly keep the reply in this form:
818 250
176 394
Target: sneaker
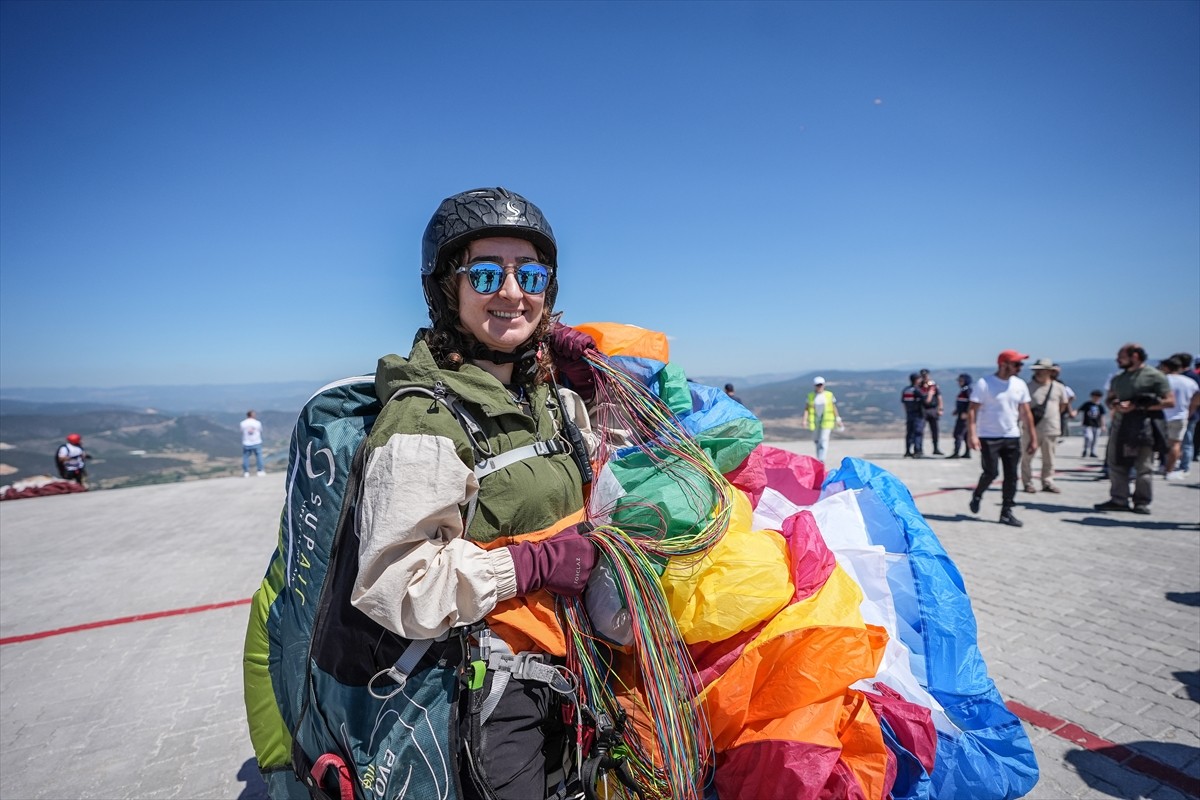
1111 505
1051 488
1141 509
1176 475
1029 487
974 505
245 474
1007 518
261 473
937 452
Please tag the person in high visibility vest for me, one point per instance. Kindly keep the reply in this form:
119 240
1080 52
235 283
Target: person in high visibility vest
821 415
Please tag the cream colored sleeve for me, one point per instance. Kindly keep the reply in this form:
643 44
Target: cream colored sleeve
417 575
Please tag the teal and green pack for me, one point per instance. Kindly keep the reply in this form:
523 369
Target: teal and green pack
312 662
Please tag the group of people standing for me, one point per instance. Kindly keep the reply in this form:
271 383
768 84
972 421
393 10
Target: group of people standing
923 409
1010 421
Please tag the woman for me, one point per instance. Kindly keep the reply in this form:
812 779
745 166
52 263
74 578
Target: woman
445 544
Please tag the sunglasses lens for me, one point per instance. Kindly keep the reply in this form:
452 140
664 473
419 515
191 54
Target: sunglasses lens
486 278
533 278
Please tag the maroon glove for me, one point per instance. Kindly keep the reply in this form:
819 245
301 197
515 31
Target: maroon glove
567 346
561 563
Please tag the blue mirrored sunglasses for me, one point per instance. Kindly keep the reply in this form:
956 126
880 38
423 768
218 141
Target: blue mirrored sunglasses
487 277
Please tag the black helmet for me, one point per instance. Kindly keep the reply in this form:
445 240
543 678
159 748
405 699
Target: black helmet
474 215
965 376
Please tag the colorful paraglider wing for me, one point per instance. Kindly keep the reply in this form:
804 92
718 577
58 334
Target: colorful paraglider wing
840 667
990 756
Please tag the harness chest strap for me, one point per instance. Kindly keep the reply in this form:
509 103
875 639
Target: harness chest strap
495 463
486 462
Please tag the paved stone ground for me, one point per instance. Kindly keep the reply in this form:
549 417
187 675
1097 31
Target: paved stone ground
1093 618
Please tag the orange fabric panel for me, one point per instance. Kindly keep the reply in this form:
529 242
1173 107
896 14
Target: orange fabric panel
531 622
536 536
863 747
615 339
799 669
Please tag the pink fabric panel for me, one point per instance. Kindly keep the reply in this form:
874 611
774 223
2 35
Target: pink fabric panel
911 723
812 560
777 769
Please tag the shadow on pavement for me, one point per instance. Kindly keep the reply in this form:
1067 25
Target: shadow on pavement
1132 521
951 517
1095 768
1191 683
255 789
1052 508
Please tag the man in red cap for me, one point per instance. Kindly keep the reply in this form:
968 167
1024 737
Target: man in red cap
999 403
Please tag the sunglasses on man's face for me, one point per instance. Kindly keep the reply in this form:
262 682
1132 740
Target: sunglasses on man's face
486 277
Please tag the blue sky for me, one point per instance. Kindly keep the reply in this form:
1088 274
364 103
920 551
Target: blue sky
235 192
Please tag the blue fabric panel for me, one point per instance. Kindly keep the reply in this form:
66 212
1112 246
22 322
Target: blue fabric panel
993 758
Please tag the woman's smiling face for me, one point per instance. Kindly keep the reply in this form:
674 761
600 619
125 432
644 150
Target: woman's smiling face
506 319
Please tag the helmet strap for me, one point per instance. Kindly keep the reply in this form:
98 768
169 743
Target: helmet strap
525 359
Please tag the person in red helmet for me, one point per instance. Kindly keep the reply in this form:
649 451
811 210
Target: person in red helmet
72 460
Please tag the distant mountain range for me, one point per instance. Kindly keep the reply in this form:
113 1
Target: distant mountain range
289 396
130 446
152 434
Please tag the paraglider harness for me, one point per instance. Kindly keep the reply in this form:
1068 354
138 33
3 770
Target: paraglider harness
429 674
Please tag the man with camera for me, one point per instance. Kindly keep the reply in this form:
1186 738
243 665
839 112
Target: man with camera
1137 396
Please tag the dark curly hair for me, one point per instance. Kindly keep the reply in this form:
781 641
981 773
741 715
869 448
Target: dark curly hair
450 344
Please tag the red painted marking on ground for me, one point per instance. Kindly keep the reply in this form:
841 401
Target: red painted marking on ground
87 626
1121 754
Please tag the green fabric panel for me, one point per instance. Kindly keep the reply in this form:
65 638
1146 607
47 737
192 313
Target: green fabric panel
526 496
674 391
657 487
728 445
268 734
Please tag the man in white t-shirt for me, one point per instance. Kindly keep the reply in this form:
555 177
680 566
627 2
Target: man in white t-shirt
999 404
251 443
1187 400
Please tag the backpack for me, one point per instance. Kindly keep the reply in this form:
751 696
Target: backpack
60 466
324 720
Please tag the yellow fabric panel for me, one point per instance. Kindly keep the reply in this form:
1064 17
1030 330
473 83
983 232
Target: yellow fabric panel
741 582
836 603
615 339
